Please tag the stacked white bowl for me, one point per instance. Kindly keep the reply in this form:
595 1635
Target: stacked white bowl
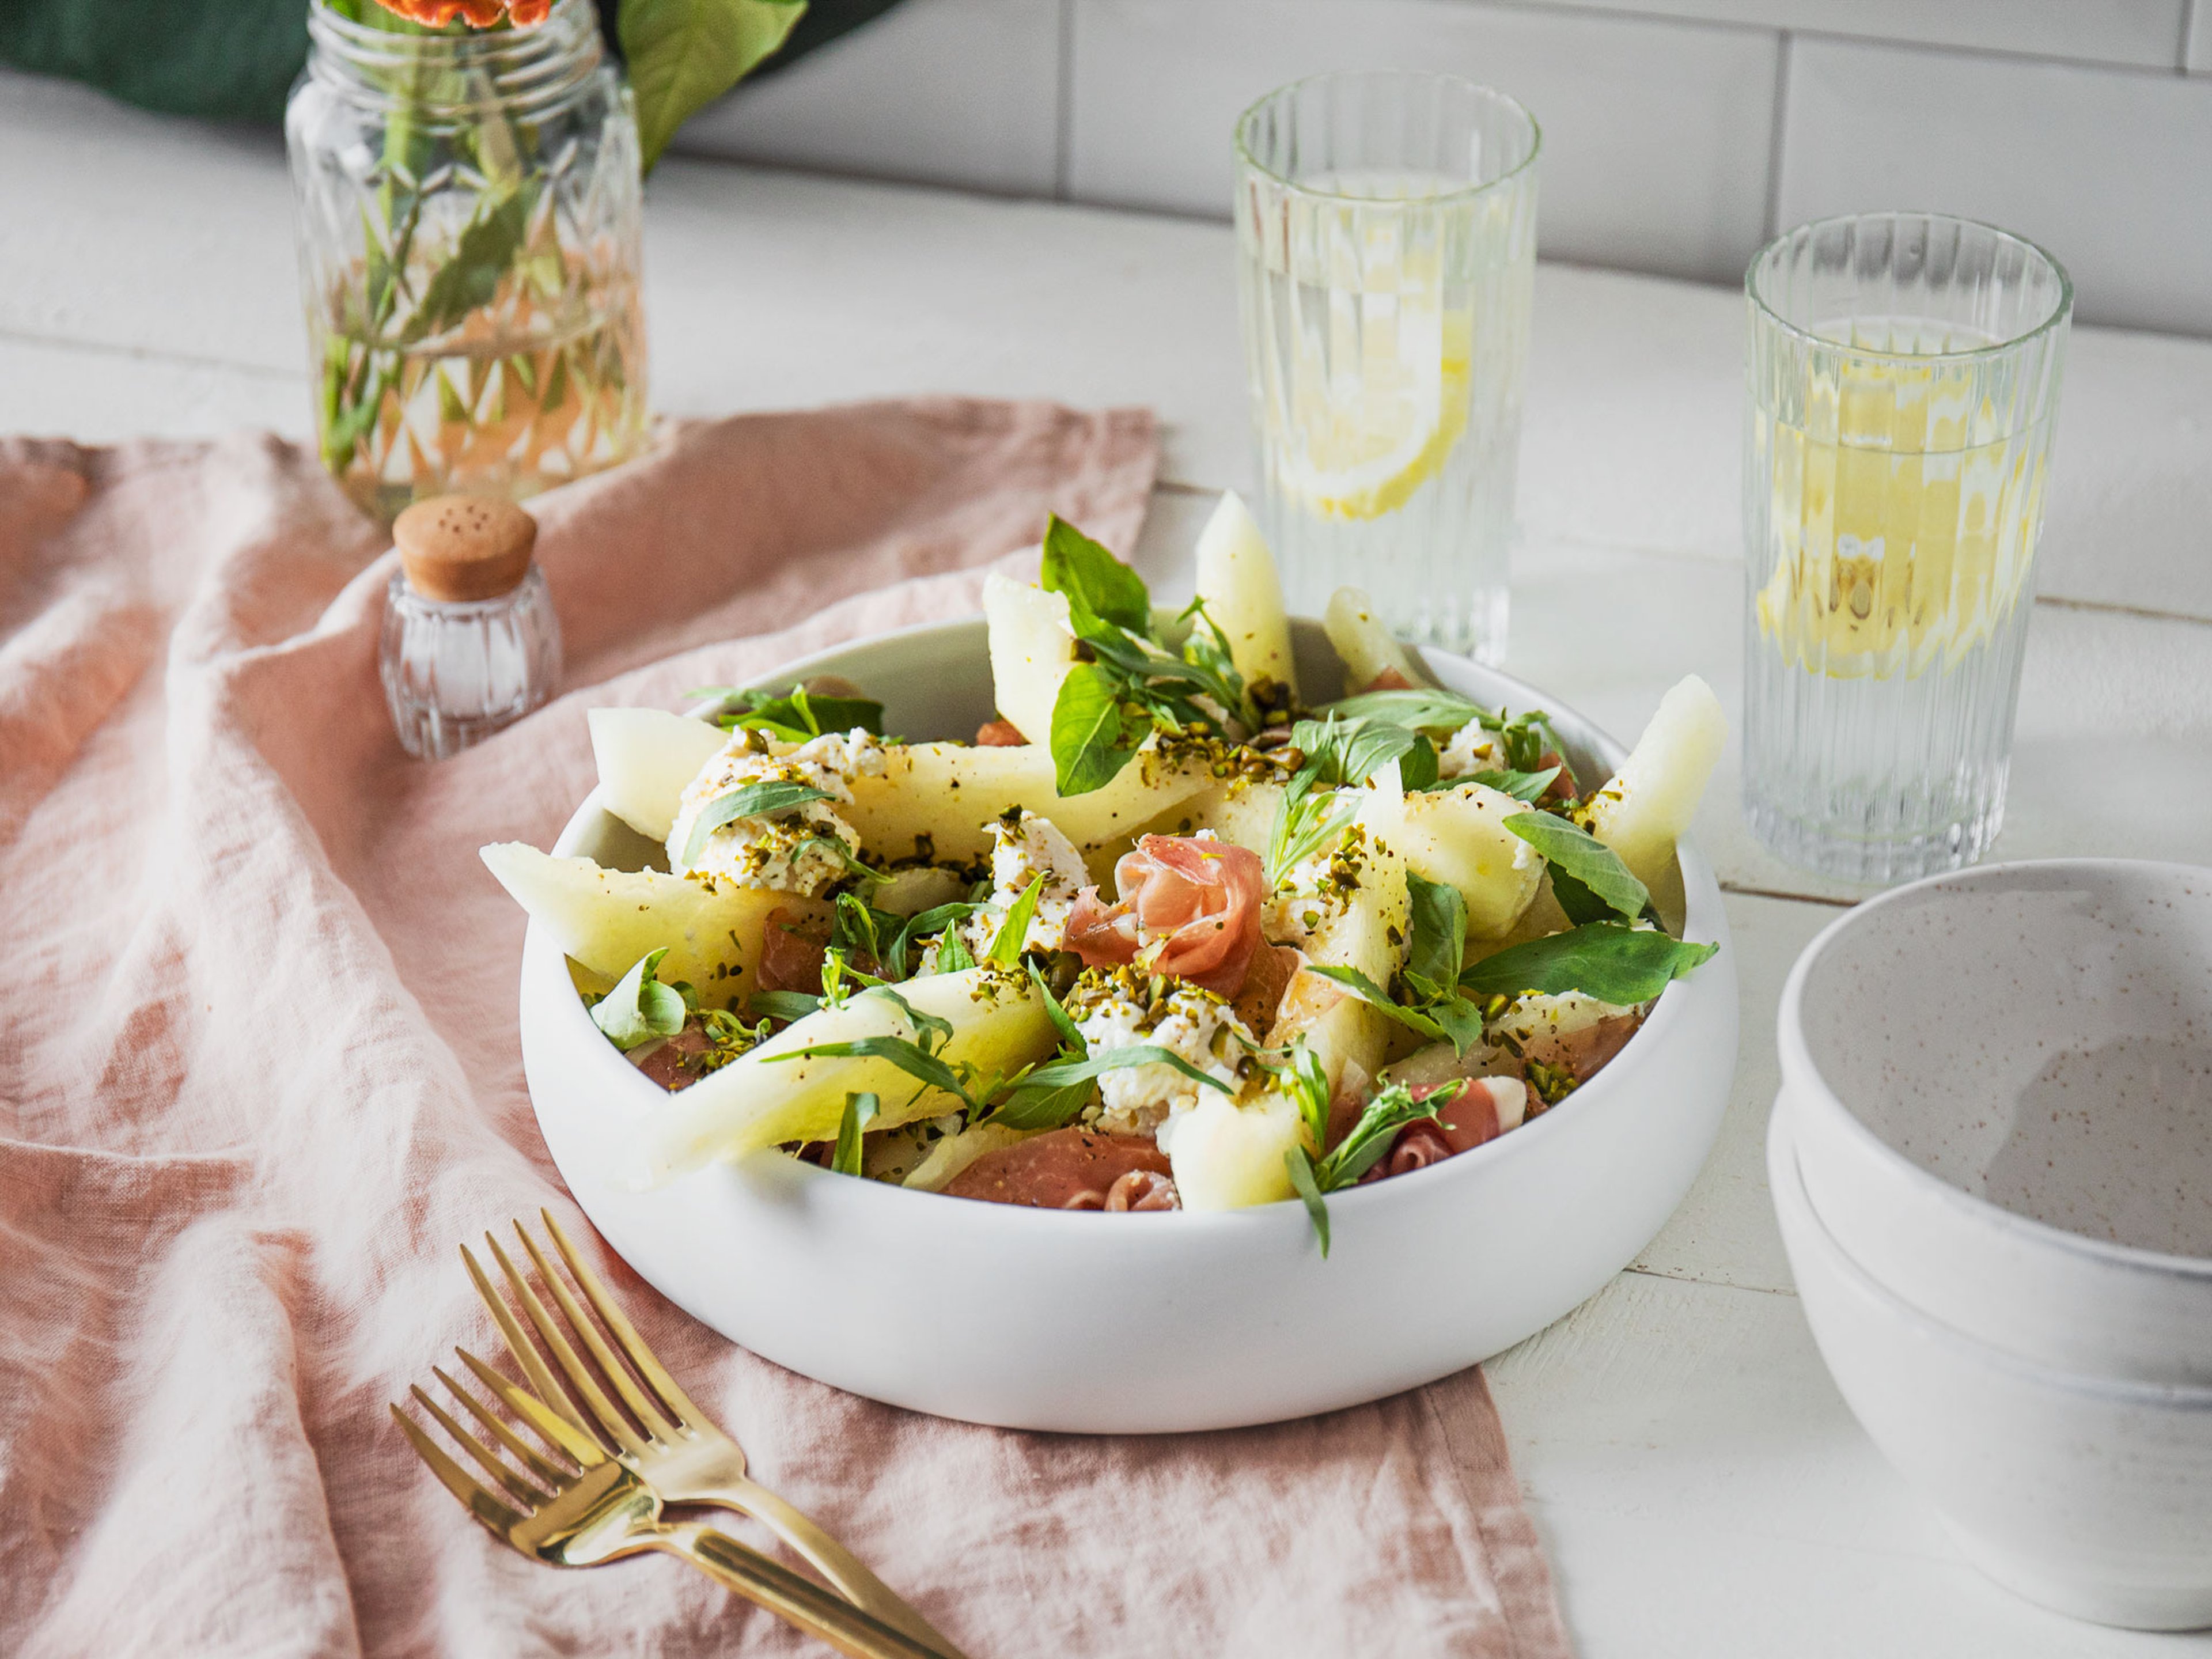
1991 1159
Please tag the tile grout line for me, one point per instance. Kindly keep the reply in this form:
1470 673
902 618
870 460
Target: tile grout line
149 353
1774 146
1741 890
1063 134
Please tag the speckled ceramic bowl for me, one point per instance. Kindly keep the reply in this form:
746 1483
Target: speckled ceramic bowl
1111 1324
2089 1495
2001 1081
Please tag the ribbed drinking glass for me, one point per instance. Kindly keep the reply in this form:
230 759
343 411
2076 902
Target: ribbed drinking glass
1904 372
1386 227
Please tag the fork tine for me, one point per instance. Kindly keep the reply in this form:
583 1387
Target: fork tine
489 1510
642 1358
613 1426
642 1408
524 1352
553 1480
517 1488
558 1430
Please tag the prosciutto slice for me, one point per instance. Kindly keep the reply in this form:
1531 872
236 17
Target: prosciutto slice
1068 1169
1187 907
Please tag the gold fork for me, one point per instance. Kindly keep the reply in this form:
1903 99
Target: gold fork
600 1511
680 1452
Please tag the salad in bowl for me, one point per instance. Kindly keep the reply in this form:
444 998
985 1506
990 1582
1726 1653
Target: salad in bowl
1176 930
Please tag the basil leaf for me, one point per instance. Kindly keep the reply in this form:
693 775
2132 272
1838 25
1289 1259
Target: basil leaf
748 801
1447 1019
1299 1161
1042 1109
1071 1038
1099 588
1585 859
1048 1097
1608 960
1419 710
1007 946
1417 767
1350 751
639 1009
909 1057
797 715
1093 738
1580 904
860 1110
1528 787
786 1005
1438 943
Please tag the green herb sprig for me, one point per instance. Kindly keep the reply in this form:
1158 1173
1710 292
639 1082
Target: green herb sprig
796 716
1131 682
640 1008
1608 960
1317 1169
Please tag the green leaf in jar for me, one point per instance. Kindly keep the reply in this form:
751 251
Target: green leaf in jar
685 54
640 1008
1608 960
750 800
481 254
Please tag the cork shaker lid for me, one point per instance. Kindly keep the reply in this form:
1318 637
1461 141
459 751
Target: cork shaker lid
461 548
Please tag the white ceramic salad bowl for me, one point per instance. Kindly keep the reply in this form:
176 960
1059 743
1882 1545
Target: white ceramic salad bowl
1043 1320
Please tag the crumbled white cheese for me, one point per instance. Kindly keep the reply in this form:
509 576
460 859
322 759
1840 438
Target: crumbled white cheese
1472 749
1314 890
789 850
1195 1024
1022 849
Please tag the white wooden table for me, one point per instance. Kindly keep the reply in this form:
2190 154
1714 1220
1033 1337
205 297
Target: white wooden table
1703 1490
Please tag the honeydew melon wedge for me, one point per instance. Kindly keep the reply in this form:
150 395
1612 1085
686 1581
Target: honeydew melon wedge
605 920
1031 650
1458 836
1228 1156
757 1101
1647 805
1365 646
646 757
1244 594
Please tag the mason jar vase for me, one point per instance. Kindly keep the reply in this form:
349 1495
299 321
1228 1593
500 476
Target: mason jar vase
469 254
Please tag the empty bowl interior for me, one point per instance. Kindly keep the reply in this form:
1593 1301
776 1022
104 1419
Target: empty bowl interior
2038 1035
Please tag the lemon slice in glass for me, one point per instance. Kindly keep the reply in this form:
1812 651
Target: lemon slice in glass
1360 442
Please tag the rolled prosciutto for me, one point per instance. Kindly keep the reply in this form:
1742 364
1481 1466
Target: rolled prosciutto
1188 906
1069 1169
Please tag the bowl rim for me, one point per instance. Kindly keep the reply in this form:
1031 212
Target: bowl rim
1701 889
1804 1081
1792 1199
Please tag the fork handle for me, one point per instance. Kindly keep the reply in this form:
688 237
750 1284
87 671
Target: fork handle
835 1563
797 1600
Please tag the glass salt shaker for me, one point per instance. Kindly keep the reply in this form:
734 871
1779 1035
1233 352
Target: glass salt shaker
471 643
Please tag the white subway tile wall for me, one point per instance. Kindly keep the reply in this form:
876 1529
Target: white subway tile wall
1655 135
964 92
1679 134
2138 32
2109 174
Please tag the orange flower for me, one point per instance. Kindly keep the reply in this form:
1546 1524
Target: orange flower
478 14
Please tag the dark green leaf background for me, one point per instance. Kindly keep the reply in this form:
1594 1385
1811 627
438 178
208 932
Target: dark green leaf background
234 60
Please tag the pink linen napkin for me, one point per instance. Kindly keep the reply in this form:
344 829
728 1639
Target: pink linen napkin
259 1077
